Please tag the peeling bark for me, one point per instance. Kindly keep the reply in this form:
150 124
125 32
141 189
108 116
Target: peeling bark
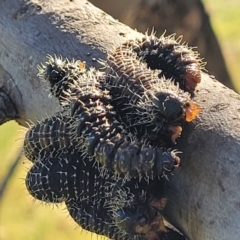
203 196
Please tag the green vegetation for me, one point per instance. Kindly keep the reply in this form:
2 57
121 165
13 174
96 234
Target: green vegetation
21 218
225 18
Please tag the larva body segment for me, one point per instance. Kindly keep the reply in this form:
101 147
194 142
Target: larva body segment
52 135
46 179
132 158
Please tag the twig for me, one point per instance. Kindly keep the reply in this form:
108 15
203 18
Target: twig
10 173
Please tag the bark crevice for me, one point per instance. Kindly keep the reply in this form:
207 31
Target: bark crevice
10 98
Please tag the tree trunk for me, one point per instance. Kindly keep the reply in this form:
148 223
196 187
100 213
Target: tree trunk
203 196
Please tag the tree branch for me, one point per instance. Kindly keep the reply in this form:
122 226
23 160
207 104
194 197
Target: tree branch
32 29
203 195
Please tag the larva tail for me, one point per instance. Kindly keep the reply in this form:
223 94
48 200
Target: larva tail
53 136
175 60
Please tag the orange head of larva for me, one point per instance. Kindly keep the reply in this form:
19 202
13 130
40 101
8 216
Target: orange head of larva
191 111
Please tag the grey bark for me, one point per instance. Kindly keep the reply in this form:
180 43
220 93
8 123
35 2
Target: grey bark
203 196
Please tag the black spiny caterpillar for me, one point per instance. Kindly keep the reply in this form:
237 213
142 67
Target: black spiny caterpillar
175 60
150 103
98 202
61 173
57 72
96 130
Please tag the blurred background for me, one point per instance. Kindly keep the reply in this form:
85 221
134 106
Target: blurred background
22 218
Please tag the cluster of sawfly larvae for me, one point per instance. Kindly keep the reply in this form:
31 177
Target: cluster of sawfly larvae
106 152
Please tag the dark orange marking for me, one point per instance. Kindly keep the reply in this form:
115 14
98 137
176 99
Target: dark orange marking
192 111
